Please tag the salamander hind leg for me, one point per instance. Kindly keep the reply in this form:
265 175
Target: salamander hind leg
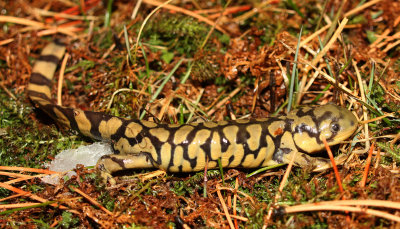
109 164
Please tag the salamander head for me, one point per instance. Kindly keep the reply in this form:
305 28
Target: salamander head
311 125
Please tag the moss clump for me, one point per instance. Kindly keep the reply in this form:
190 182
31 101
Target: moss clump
179 32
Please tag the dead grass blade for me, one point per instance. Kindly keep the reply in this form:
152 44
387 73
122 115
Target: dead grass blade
318 207
330 42
338 179
23 169
91 200
61 79
38 25
32 196
222 102
228 216
367 165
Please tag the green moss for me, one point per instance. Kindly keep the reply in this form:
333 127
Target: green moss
392 152
205 69
182 33
69 220
23 142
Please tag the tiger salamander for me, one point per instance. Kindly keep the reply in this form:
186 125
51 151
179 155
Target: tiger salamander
186 148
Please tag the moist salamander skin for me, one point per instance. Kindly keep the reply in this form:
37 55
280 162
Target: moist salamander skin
186 148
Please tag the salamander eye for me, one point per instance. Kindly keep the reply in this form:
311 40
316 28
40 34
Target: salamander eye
335 127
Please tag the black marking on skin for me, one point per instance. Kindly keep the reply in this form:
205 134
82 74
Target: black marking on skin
170 140
113 148
311 131
68 112
49 58
136 140
277 157
300 113
120 133
262 143
39 79
241 139
206 147
38 94
95 118
185 145
223 140
304 128
171 159
155 142
120 162
306 158
330 116
150 158
231 158
325 116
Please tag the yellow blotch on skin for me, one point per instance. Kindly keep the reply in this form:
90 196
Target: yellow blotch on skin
199 139
276 128
215 146
47 69
251 162
255 136
238 156
110 127
160 133
44 68
144 146
201 160
212 165
287 141
123 146
186 166
174 125
270 151
133 129
165 155
223 123
39 101
149 124
178 158
40 88
210 124
306 143
304 120
83 122
230 133
53 49
242 121
181 134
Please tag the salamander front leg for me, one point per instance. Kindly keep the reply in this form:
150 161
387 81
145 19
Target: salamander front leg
315 163
109 164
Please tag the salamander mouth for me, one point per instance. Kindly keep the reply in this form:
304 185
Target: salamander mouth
343 135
